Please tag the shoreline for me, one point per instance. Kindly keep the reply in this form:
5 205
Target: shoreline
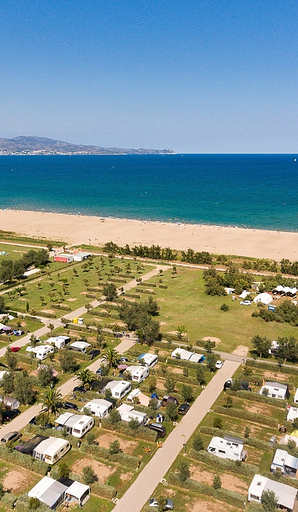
77 229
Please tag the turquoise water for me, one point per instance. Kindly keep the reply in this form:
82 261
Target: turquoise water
258 191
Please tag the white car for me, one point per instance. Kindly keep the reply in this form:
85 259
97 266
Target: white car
245 303
219 365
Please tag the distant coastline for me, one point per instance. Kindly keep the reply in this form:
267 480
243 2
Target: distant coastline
79 229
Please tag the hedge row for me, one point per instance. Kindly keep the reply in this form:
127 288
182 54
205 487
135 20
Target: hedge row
133 295
94 289
230 497
104 491
230 465
90 296
271 366
282 479
250 441
8 500
148 292
124 428
61 306
245 415
27 462
47 315
256 397
146 283
22 505
129 461
130 276
163 286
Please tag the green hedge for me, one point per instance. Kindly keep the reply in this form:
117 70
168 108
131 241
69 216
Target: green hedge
230 497
123 428
272 367
61 306
283 479
256 397
104 491
47 315
245 415
8 500
230 465
25 461
133 295
129 461
251 441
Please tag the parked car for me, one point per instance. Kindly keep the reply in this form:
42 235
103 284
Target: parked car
157 427
11 436
94 353
15 349
99 371
68 405
10 415
219 364
79 389
169 504
183 408
245 302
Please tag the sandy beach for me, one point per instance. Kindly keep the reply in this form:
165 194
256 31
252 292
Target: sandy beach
79 229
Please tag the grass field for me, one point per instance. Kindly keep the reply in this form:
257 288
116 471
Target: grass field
185 302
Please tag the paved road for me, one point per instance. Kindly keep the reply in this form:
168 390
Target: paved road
143 487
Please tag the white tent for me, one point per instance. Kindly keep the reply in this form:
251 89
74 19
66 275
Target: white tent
265 298
244 294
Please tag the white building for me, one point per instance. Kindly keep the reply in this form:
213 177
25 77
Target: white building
285 494
285 463
275 390
58 341
128 413
228 448
79 346
265 298
138 373
148 360
99 407
49 491
81 256
41 352
292 414
51 450
119 388
76 424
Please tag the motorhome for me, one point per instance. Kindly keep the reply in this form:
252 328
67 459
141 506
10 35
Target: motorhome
76 425
51 450
227 448
128 413
99 407
138 373
148 360
119 388
79 346
41 352
58 341
284 494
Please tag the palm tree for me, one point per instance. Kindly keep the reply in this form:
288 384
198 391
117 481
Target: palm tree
51 399
85 376
111 356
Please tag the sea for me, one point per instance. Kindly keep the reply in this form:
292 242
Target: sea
253 191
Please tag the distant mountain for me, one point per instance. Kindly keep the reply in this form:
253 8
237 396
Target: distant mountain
44 146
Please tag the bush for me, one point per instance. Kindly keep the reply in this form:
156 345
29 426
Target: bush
246 415
104 491
89 477
197 443
20 459
224 307
8 500
216 482
33 503
217 423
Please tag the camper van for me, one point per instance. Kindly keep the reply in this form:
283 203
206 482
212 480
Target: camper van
138 373
148 360
42 351
227 448
119 388
79 346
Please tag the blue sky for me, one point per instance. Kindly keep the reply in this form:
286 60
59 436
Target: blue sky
217 76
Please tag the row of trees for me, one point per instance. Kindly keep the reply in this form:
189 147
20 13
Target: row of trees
154 251
216 282
285 312
287 351
15 269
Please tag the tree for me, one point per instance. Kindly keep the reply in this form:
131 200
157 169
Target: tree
247 432
209 346
114 416
211 362
8 383
183 471
11 359
85 376
89 477
33 340
90 438
111 356
197 443
261 344
181 329
229 402
51 398
63 470
110 291
134 424
288 349
224 307
24 388
2 304
33 503
217 423
269 501
51 327
45 375
187 393
200 374
172 410
114 447
216 482
170 384
151 383
67 362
